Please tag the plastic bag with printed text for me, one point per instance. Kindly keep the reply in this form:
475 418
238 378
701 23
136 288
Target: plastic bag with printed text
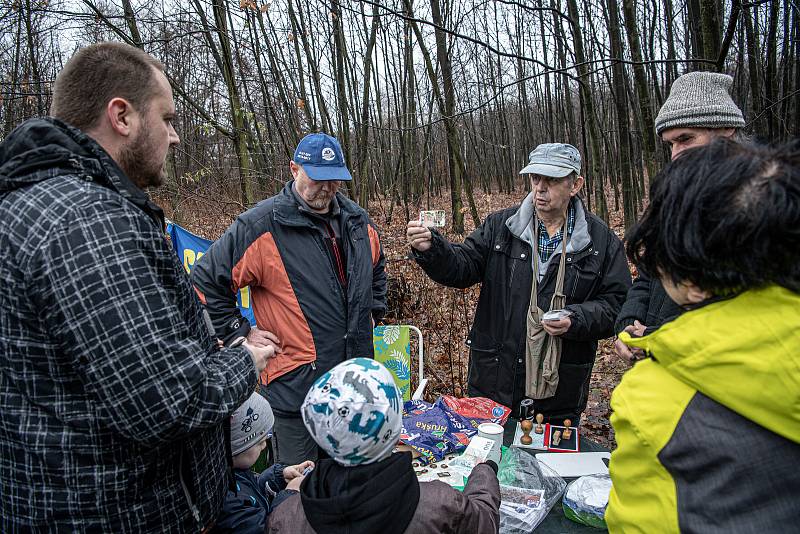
435 430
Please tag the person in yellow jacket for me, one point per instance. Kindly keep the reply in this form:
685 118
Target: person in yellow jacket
708 427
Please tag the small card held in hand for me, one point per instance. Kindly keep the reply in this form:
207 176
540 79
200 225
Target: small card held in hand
432 218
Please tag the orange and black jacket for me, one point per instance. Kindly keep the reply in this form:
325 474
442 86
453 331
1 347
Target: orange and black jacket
279 251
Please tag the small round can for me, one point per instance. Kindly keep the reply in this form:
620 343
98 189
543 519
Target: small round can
525 409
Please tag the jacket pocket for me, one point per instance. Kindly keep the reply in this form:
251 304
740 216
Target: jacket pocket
582 285
484 367
506 272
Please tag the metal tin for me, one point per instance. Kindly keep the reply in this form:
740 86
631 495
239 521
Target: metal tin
525 409
555 315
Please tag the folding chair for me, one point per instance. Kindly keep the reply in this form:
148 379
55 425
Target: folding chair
393 349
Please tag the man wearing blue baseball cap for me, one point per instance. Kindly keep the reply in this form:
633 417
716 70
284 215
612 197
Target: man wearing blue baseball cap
315 267
548 254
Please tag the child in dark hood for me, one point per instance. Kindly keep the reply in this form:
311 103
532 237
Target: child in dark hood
354 412
246 509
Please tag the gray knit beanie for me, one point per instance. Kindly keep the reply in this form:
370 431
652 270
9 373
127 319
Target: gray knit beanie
250 423
700 100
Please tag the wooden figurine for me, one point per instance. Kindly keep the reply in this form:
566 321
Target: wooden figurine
556 437
567 429
539 428
526 427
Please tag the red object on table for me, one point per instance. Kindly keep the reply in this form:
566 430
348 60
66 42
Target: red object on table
572 444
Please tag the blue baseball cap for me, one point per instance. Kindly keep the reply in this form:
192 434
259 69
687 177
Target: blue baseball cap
321 157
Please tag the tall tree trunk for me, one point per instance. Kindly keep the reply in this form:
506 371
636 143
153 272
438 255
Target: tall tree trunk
770 73
710 27
340 50
646 126
453 143
594 177
34 61
363 159
130 20
629 200
240 129
299 30
753 70
672 67
446 104
695 28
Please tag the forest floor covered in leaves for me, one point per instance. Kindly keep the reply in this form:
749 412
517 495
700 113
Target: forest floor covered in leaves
443 314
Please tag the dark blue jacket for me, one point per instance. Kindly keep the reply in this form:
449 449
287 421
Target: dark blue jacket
246 509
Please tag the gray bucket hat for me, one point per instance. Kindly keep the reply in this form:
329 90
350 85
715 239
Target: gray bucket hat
555 160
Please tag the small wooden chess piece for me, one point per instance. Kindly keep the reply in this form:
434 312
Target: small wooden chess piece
567 429
539 428
526 427
556 437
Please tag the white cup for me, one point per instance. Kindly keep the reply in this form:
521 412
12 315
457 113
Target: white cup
494 432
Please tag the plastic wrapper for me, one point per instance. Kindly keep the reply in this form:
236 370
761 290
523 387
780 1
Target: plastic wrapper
476 410
435 430
586 499
528 490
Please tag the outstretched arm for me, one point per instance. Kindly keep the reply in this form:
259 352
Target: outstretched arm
450 264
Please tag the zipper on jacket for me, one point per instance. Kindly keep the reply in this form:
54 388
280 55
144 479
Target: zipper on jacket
337 255
189 501
324 249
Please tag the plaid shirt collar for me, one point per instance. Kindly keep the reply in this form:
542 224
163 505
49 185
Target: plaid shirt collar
546 244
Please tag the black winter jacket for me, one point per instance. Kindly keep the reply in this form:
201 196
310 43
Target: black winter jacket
648 303
497 256
112 388
277 249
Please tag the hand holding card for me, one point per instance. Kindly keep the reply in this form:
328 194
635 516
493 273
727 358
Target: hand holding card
555 315
432 218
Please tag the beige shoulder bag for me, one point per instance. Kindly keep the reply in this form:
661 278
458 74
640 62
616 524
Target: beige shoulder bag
543 351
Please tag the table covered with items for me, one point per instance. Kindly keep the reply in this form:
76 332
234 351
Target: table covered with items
551 478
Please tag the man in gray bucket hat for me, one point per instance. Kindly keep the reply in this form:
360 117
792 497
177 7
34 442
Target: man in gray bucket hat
549 254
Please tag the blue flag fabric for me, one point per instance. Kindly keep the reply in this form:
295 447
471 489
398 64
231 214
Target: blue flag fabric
190 248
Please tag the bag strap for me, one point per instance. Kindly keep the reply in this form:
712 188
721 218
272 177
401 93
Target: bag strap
559 289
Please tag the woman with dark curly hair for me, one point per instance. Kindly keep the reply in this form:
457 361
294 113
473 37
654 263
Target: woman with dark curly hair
708 426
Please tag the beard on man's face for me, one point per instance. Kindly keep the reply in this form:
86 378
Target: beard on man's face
136 161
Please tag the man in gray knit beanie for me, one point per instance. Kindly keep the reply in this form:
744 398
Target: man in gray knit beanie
698 109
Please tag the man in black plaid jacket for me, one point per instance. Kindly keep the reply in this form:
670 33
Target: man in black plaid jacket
114 394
